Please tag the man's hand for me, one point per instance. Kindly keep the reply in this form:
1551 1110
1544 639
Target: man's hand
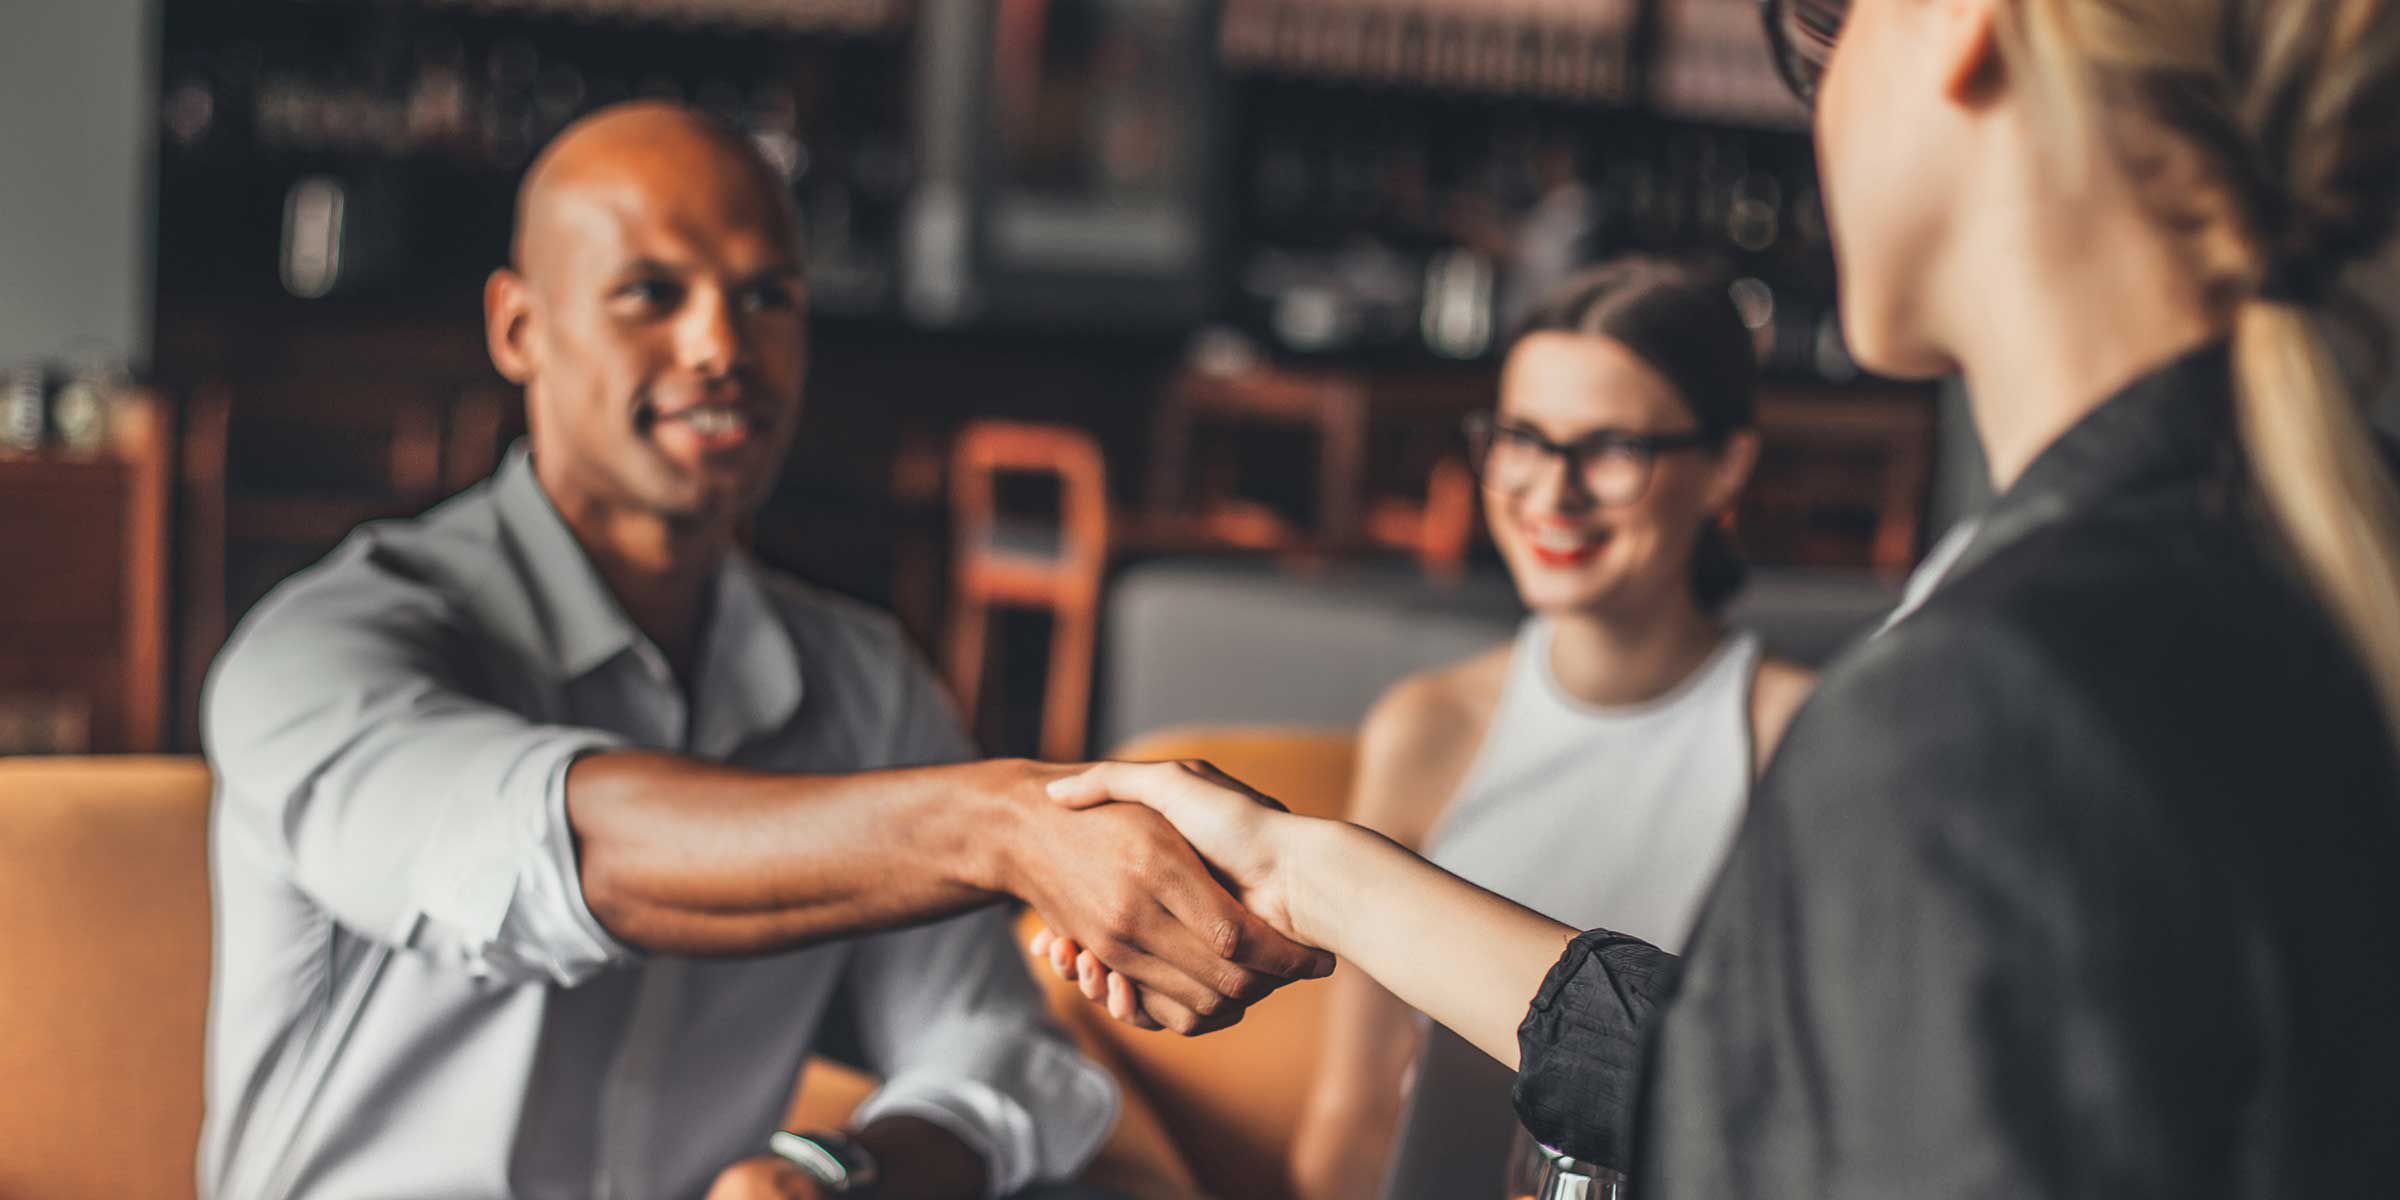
1235 827
764 1178
1121 882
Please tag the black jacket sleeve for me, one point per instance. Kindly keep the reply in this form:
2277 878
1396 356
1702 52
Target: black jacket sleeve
1580 1045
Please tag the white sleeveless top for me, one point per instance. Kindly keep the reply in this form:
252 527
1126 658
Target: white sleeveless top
1605 817
1610 818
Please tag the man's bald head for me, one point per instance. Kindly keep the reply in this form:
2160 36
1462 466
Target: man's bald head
652 147
656 313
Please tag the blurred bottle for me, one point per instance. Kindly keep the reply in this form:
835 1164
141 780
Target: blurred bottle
24 401
81 408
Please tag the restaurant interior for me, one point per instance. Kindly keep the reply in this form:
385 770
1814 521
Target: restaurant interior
1141 337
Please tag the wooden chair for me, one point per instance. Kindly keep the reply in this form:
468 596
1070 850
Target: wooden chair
1054 566
404 454
84 616
1437 531
1842 480
1332 407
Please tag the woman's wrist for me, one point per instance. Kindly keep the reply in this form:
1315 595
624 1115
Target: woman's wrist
1317 860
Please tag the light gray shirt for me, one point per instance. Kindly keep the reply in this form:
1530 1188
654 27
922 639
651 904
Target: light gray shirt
410 996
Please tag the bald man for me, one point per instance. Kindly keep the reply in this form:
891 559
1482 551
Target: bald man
551 828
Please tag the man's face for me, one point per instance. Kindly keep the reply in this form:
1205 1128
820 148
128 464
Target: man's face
657 319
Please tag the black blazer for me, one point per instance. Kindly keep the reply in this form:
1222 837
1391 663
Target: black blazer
2082 880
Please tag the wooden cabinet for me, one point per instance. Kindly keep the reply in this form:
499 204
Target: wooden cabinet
83 591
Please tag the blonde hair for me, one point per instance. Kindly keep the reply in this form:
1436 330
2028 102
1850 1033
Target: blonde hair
2289 113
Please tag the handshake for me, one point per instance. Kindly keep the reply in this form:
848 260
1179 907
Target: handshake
1180 957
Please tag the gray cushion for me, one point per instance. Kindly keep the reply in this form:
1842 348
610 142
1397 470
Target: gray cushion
1246 642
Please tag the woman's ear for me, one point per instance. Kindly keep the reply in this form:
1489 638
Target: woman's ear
1968 46
1736 459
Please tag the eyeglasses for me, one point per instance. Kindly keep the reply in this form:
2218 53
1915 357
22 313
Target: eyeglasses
1800 35
1611 467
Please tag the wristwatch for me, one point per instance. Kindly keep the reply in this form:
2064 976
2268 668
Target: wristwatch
834 1160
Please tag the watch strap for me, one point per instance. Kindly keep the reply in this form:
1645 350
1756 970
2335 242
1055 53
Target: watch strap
834 1160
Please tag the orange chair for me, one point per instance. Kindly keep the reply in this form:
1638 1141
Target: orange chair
104 910
1055 568
1231 1100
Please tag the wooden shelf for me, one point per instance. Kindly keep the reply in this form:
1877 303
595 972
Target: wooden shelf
84 618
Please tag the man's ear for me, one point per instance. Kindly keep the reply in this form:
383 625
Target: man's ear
508 325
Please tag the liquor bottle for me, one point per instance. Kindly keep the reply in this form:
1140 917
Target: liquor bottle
24 390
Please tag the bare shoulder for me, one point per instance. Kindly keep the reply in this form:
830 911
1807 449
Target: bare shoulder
1418 741
1776 694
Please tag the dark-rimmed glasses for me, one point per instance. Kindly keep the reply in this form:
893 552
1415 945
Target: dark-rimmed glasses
1611 466
1800 36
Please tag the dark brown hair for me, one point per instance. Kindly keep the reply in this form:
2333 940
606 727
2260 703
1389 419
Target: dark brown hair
1681 322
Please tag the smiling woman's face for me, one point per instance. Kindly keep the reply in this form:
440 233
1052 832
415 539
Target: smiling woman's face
1567 551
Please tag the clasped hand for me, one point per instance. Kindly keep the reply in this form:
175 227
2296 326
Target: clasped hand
1243 835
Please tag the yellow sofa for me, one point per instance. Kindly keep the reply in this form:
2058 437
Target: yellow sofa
104 916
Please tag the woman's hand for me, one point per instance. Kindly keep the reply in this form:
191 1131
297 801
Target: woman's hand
1121 996
1234 827
1244 835
1453 951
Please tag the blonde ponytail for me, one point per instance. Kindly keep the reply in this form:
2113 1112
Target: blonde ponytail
2316 464
2289 111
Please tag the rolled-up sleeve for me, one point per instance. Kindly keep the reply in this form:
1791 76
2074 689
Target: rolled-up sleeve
1580 1046
350 731
948 1014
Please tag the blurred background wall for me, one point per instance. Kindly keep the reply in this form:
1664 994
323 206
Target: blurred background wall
1239 267
77 115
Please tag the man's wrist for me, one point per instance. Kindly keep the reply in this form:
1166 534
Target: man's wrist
988 818
922 1160
839 1164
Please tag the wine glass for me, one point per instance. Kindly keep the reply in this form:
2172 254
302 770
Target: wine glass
1537 1172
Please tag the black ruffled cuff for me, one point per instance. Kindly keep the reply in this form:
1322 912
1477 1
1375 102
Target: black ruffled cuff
1580 1046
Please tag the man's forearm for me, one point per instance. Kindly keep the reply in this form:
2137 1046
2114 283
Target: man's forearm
693 858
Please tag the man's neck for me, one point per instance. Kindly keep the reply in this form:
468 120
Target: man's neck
659 570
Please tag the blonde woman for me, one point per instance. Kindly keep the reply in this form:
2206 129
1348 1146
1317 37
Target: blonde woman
2078 879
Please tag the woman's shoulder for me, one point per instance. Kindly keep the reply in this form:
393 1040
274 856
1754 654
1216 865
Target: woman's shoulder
1777 690
1419 739
1444 693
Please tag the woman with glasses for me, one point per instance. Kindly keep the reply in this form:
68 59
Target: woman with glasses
1595 768
2077 880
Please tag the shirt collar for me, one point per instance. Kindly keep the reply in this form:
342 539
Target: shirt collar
585 624
2174 423
749 667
